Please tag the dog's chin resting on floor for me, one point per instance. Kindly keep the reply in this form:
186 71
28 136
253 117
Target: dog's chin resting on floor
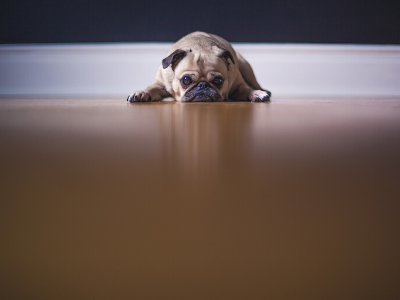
203 67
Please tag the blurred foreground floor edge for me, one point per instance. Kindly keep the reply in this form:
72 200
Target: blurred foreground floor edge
293 199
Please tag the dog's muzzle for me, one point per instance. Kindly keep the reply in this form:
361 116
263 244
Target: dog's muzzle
202 92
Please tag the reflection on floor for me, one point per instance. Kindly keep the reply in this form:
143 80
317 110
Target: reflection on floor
294 199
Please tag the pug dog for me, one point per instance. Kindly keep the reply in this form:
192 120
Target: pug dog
203 67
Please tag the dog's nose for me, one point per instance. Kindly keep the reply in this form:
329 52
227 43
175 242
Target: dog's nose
202 85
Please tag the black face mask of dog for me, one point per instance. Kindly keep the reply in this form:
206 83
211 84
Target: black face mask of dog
202 92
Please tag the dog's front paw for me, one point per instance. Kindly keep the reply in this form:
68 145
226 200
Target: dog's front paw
139 96
259 96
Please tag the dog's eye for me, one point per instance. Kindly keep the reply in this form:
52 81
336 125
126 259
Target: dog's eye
186 80
218 81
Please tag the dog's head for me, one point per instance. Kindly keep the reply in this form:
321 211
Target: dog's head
200 74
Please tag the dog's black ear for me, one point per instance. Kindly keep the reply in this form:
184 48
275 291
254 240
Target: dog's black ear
225 55
173 59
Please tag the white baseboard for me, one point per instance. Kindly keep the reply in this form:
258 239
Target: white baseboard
115 70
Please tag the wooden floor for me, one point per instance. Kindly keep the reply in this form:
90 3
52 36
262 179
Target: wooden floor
294 199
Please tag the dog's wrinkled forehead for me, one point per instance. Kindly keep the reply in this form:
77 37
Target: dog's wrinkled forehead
198 57
201 59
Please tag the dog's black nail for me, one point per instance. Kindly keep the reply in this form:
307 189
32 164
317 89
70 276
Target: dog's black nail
128 99
149 100
258 99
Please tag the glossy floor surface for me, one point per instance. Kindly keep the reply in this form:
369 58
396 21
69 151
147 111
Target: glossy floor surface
294 199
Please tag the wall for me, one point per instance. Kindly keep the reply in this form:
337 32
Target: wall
309 48
278 21
115 70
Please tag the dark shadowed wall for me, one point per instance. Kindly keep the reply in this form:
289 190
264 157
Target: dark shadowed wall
289 21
